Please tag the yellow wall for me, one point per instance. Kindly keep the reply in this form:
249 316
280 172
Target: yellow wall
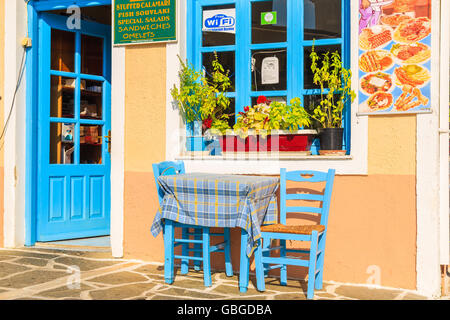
372 224
144 145
2 41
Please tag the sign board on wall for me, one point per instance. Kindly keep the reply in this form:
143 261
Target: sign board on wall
394 56
144 21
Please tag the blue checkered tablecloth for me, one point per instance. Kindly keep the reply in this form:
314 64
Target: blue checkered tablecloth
216 200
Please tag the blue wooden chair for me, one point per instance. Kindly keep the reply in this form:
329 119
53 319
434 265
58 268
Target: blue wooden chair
201 235
315 234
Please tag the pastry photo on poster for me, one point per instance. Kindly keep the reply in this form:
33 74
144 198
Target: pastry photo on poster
394 56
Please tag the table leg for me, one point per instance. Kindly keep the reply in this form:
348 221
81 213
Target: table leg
244 264
169 239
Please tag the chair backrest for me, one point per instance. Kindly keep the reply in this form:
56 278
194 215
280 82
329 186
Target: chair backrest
306 176
166 168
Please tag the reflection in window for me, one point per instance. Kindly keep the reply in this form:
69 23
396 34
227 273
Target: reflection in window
63 51
226 59
62 143
269 70
320 50
91 100
269 21
272 99
219 25
322 19
62 95
91 144
91 55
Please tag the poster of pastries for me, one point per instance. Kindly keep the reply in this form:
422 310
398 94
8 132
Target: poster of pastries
394 56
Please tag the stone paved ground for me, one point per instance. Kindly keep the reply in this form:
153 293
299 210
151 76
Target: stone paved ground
51 274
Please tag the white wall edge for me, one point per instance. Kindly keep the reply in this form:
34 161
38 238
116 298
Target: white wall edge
444 138
175 130
427 184
117 150
14 140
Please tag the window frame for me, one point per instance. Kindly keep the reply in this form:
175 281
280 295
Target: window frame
243 47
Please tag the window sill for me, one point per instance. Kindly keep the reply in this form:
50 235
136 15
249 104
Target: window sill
262 157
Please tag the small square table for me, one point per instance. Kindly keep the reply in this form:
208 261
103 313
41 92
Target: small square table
218 200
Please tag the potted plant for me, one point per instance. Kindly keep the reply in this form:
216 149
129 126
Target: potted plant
201 101
270 126
335 85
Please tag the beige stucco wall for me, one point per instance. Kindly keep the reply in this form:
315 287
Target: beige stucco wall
144 145
2 41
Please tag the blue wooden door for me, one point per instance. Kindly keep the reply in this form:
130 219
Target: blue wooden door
73 191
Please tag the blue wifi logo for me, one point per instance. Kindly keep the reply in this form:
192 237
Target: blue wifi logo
220 21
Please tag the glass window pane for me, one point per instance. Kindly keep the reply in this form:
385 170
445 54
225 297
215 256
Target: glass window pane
61 143
309 103
320 50
322 19
91 144
269 69
91 55
91 103
63 50
62 91
219 25
226 59
269 21
278 99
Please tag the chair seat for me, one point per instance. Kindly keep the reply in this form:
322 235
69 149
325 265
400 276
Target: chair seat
301 229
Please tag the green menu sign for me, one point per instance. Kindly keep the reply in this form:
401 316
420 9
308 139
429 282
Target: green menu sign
140 21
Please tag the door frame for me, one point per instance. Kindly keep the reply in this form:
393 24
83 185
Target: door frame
117 127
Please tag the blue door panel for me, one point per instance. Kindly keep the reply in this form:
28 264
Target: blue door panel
77 198
73 200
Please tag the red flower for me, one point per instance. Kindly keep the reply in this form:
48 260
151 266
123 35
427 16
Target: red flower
246 109
262 99
208 123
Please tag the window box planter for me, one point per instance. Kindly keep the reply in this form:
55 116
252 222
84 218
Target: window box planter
278 140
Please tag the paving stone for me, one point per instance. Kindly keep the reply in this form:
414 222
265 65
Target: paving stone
325 295
290 296
412 296
122 292
3 258
150 269
65 292
37 262
29 253
162 297
189 283
190 293
31 278
364 293
120 278
84 264
234 290
7 269
292 286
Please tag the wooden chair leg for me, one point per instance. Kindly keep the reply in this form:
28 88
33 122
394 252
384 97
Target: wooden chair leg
184 251
266 245
206 258
227 251
169 239
312 265
244 264
320 261
198 248
259 268
283 270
